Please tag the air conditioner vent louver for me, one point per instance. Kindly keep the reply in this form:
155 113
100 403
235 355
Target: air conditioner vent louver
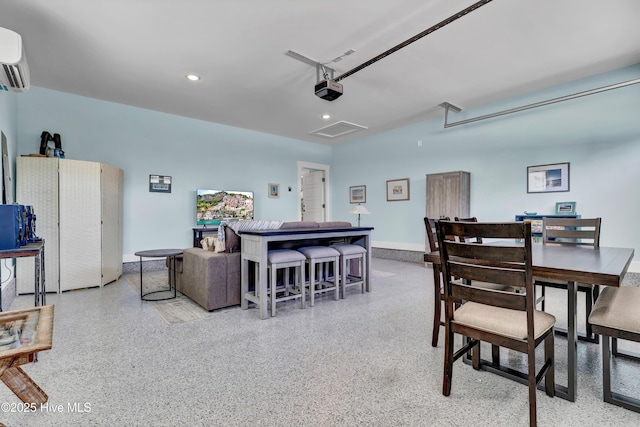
337 129
15 70
15 77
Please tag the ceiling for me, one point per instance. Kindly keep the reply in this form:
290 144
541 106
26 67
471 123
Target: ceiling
138 52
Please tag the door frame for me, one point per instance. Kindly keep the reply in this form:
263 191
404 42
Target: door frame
327 186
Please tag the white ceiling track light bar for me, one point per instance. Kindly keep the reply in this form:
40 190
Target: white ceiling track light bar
447 106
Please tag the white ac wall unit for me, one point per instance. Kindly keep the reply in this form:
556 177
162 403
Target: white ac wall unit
14 71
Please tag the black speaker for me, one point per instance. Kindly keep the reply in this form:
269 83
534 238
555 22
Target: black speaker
11 226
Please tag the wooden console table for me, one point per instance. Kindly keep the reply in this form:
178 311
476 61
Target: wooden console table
23 333
255 245
35 250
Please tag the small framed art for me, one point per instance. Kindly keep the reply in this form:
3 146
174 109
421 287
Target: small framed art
159 183
397 189
274 190
548 178
565 208
358 194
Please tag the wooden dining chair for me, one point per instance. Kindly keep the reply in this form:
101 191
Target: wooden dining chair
572 232
438 296
470 219
615 316
507 319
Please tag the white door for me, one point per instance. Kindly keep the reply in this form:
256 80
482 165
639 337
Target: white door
313 195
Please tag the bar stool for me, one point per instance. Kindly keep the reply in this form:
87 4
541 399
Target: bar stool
285 259
319 256
350 252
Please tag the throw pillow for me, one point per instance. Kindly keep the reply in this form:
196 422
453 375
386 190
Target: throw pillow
231 240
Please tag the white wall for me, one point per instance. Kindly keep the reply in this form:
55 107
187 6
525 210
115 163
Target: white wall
8 125
599 135
196 154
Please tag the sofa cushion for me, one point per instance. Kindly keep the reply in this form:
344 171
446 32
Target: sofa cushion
334 224
299 224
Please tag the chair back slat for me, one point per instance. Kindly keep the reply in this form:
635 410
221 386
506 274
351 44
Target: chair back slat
506 254
500 230
492 274
572 231
468 238
471 262
493 297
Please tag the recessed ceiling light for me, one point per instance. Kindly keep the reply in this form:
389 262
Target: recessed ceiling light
193 77
326 116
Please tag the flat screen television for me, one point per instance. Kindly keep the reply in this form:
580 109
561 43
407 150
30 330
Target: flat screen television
214 206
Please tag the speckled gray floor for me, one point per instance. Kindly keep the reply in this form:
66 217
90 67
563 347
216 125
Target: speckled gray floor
362 361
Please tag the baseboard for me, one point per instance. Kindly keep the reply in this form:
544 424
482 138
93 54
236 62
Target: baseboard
148 265
398 255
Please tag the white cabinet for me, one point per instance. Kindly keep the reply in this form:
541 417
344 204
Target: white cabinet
78 206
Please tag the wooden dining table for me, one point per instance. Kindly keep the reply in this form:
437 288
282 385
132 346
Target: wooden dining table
605 266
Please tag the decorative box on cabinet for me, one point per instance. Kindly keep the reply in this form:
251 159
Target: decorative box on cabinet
78 206
536 223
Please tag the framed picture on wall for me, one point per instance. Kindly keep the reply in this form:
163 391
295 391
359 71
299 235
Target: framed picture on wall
358 194
565 208
548 178
397 189
159 183
274 190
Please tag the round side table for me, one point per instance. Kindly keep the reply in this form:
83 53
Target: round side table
159 253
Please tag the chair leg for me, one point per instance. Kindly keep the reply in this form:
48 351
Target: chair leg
312 282
336 277
343 275
606 369
475 357
531 362
273 287
299 278
542 292
448 363
589 306
549 377
495 354
591 299
437 312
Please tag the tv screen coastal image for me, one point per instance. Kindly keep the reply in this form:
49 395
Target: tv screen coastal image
214 206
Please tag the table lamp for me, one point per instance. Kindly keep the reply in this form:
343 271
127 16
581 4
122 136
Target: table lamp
359 209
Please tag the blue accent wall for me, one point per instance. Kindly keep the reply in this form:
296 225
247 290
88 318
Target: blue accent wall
599 135
196 154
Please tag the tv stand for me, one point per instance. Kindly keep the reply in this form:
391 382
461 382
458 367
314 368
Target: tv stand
198 232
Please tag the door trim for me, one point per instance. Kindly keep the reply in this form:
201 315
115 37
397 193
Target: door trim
327 186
